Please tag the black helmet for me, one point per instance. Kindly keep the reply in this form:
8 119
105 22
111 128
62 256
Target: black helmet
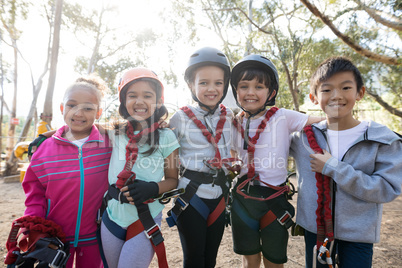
258 62
208 56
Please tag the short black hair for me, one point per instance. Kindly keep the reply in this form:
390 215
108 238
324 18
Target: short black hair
249 74
331 66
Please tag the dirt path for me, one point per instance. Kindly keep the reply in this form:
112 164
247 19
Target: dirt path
387 253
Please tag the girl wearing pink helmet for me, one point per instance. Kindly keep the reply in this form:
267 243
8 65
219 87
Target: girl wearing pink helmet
142 155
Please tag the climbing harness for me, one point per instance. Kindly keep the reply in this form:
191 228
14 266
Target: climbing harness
252 177
276 212
34 239
127 176
190 198
325 231
146 222
218 176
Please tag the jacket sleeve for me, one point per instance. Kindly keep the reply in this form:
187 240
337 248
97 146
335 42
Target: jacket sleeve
35 201
381 186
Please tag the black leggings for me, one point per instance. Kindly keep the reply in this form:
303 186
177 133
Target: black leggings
200 243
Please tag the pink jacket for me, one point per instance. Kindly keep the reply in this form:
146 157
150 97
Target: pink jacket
66 184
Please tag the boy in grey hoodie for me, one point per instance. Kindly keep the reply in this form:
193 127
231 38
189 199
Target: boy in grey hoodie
361 160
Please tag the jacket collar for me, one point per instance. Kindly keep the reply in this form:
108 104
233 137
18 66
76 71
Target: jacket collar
94 136
375 132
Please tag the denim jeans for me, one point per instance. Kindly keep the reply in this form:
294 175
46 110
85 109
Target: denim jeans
350 254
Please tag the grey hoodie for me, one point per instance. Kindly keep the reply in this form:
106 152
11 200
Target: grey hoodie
369 175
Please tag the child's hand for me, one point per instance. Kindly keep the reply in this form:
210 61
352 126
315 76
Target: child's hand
140 191
35 144
163 124
318 161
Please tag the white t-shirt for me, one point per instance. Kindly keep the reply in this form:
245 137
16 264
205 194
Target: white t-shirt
272 148
340 141
195 148
80 142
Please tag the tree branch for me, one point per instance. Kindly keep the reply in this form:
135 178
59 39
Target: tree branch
384 104
348 41
396 23
247 17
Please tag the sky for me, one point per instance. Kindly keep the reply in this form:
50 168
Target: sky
132 14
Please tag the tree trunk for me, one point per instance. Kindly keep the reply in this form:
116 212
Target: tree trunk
295 96
48 106
11 165
95 52
1 107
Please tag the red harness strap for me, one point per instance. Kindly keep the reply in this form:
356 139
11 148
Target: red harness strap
136 228
37 228
323 212
217 212
132 153
127 176
217 160
251 175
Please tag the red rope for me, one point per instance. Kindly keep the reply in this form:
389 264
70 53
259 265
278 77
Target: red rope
217 161
253 140
132 152
323 212
32 224
126 173
251 152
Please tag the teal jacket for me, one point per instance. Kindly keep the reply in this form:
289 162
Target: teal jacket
369 175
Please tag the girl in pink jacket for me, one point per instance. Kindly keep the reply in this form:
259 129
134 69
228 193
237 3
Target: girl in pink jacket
68 176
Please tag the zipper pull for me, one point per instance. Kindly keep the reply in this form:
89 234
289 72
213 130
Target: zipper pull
79 153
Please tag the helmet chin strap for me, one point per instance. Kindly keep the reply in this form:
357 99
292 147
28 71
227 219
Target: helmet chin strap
210 111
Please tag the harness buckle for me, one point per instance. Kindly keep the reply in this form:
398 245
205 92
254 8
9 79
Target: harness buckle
59 260
210 165
119 198
183 203
253 182
154 234
285 219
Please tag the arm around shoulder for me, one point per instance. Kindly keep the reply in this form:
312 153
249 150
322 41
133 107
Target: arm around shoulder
314 119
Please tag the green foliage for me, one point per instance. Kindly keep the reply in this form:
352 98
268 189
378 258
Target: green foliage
78 19
11 12
107 71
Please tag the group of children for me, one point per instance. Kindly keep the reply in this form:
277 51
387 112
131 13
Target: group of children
67 178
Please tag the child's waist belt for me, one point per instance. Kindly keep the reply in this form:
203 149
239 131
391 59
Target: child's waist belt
145 223
190 198
207 178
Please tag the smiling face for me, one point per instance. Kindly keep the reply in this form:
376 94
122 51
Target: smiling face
252 95
80 109
208 85
141 100
337 97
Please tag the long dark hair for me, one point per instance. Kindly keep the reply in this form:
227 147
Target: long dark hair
160 113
